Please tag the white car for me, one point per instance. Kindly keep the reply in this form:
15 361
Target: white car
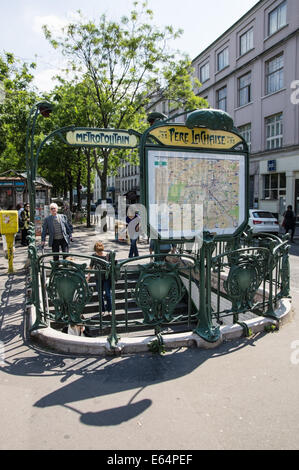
262 221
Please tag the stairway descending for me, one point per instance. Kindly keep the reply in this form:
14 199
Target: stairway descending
129 316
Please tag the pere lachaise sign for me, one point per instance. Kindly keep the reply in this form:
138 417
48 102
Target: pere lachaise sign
195 180
195 138
108 138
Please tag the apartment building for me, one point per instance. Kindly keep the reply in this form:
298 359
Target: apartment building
252 72
127 183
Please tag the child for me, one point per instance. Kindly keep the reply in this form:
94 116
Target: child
106 283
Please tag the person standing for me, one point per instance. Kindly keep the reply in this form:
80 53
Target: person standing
25 221
133 223
106 283
59 231
67 212
289 222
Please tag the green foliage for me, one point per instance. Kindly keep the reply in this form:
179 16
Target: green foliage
270 328
120 69
156 346
19 96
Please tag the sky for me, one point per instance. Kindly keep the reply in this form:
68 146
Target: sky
21 25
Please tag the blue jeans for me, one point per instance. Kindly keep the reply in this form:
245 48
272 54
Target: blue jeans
133 249
106 295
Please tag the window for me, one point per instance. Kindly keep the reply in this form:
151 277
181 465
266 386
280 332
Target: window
244 89
204 73
246 41
274 74
274 185
277 18
245 132
274 132
222 59
221 98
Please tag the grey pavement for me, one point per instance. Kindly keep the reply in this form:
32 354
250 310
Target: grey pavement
242 395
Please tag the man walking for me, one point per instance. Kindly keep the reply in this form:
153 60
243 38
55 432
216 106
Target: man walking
59 231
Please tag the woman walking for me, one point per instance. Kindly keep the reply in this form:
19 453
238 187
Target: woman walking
25 218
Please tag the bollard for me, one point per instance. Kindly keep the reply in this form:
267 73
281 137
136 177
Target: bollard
9 227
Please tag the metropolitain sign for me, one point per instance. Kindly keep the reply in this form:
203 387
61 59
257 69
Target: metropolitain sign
85 137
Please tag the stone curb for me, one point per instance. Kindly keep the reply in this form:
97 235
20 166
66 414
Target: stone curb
64 343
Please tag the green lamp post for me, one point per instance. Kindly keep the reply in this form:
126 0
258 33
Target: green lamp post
44 108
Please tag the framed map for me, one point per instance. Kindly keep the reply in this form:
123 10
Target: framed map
189 192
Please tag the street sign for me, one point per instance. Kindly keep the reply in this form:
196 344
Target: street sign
108 138
182 136
195 180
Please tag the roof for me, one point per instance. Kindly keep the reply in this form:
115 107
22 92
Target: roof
13 175
229 29
39 179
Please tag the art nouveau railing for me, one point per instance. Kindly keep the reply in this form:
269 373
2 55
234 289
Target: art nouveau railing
199 291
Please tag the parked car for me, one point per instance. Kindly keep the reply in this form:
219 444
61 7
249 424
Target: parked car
263 221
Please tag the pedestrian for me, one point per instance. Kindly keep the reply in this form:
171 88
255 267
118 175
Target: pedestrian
289 222
133 224
20 209
59 231
25 221
67 212
105 283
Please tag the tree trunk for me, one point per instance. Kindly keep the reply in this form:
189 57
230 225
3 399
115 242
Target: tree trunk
78 184
70 184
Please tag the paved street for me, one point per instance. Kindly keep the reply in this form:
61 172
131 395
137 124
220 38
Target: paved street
242 395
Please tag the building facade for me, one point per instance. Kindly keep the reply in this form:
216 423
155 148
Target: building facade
127 183
252 72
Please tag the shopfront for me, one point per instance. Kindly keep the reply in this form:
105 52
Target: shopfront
279 185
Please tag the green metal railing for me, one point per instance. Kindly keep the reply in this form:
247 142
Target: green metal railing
196 291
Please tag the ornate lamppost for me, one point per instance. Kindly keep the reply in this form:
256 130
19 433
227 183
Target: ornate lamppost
45 109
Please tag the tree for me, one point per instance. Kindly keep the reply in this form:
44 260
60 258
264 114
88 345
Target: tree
18 97
125 65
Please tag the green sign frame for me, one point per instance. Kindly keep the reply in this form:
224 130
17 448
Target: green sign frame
197 143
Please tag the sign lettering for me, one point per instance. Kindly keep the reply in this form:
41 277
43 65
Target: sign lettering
101 138
198 137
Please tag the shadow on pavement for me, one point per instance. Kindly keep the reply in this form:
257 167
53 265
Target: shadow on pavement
98 377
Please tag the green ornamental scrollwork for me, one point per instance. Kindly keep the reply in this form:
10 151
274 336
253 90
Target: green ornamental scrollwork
68 290
158 291
243 282
231 248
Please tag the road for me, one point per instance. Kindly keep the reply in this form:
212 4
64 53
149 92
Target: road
242 395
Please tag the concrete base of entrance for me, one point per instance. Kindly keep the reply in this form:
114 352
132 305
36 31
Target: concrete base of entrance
80 345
